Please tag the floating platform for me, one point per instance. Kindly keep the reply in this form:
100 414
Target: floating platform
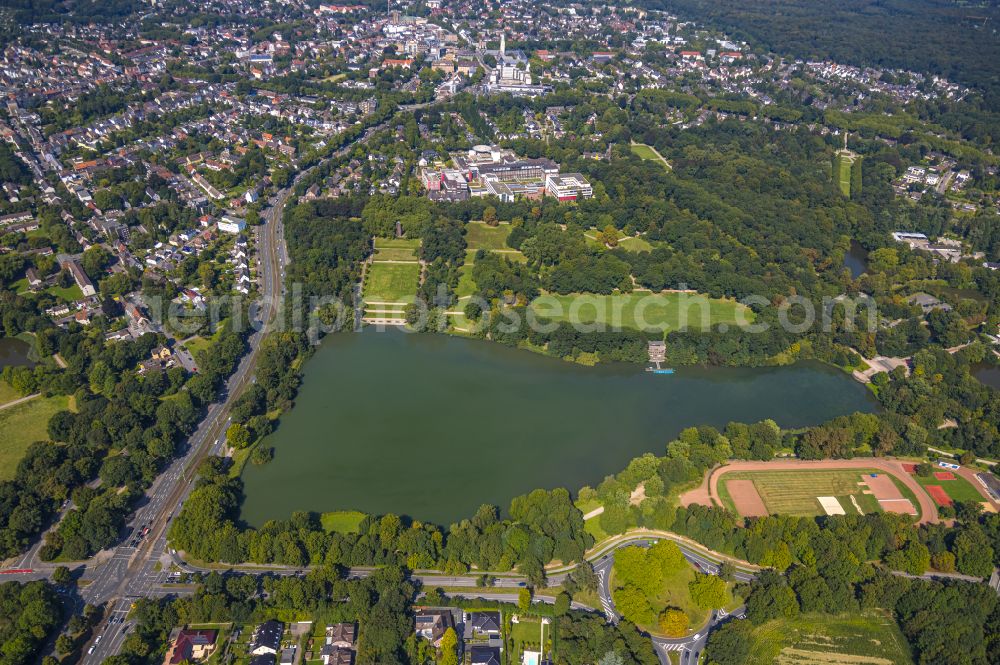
659 371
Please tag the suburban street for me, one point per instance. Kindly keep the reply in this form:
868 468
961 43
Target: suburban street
689 647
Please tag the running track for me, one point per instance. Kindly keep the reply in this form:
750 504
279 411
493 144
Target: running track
708 492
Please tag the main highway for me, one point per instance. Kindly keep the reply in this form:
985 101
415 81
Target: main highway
135 568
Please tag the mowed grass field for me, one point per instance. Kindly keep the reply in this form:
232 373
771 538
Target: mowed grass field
478 235
7 393
526 634
391 282
644 151
795 492
958 489
22 425
843 174
642 310
342 521
820 639
396 249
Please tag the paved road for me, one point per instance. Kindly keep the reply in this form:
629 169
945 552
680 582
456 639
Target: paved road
689 647
131 570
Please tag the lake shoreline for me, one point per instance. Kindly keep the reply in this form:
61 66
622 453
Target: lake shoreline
644 411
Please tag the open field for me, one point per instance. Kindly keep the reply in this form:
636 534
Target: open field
818 639
480 236
22 425
7 393
342 521
628 243
842 173
391 282
396 249
641 311
796 492
644 151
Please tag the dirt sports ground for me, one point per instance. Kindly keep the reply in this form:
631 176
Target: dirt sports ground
803 488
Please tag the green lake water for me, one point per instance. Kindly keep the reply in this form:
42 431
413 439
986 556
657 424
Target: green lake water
433 426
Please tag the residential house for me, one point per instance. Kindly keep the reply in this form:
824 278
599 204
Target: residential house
341 635
484 623
190 646
432 624
482 655
266 639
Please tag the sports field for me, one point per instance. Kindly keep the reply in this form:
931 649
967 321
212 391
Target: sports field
798 492
820 639
956 488
23 424
642 311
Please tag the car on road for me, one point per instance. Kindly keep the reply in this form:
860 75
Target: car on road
90 651
697 636
521 584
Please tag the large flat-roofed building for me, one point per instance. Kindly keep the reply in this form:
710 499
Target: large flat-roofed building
504 165
990 483
568 186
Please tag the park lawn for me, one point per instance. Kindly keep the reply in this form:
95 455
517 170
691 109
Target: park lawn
7 393
391 282
466 285
869 638
478 235
201 343
641 311
628 243
646 152
795 492
594 528
396 249
635 244
22 425
844 174
958 489
342 521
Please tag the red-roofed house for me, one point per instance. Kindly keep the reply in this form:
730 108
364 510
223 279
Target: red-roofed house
191 646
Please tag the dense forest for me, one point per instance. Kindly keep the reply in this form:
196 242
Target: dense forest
116 410
952 39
